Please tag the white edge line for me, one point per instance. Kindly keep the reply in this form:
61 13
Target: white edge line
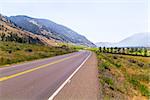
61 87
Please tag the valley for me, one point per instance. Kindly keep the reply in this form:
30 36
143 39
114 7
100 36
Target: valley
41 59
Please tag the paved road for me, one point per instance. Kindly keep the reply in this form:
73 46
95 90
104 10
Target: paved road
38 80
84 85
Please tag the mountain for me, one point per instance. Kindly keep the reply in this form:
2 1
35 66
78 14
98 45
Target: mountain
50 30
11 32
104 44
136 40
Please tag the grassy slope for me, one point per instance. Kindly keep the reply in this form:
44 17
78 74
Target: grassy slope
11 52
124 77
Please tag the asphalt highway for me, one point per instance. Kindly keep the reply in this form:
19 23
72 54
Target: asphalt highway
39 79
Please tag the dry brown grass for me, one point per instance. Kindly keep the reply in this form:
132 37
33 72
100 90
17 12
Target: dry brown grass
12 52
9 29
128 81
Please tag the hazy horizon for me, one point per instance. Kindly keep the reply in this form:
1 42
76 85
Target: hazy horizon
99 21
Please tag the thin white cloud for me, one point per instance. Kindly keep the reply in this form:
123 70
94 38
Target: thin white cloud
73 1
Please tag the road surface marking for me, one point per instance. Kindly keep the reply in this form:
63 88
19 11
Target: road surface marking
33 69
68 79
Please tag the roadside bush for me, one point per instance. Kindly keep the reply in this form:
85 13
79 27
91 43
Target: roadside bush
9 51
117 65
114 57
107 80
140 64
142 77
132 61
28 50
17 48
137 85
104 66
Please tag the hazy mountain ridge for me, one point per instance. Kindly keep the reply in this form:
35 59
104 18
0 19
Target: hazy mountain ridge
103 44
50 30
136 40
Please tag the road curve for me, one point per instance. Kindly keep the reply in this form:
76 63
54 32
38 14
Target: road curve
39 79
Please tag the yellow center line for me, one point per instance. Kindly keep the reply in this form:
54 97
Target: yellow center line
33 69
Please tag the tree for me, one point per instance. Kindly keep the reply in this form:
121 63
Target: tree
140 51
136 51
123 50
100 49
119 50
115 50
145 51
127 50
104 49
3 36
132 50
111 49
107 50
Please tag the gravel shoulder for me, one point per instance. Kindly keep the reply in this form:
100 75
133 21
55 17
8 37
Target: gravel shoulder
84 85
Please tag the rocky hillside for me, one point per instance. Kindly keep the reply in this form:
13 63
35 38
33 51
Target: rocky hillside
50 30
11 32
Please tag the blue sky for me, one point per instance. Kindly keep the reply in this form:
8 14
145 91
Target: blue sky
98 20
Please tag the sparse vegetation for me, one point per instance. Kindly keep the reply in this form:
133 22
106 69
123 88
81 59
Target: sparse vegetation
12 52
123 77
76 47
138 86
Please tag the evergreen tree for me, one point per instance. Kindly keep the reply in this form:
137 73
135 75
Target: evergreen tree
132 50
100 49
111 49
104 49
145 51
127 50
123 50
115 49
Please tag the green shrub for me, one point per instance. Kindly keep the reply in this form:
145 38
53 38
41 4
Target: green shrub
28 50
137 85
117 65
142 77
109 81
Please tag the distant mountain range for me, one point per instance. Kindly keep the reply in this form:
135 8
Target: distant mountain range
136 40
42 31
50 30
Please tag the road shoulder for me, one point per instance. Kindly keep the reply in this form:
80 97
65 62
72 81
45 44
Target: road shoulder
84 84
